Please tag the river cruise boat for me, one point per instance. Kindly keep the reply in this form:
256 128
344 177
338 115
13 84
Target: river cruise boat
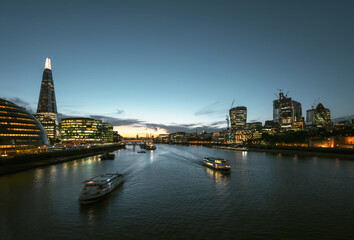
217 164
107 156
148 145
99 187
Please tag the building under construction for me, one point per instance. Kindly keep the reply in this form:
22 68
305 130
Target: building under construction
287 113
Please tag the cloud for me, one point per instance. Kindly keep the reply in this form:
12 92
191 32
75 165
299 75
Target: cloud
22 103
174 127
119 111
210 109
116 121
345 118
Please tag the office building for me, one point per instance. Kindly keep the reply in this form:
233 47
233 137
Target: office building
81 131
107 133
287 113
238 117
20 131
47 107
319 117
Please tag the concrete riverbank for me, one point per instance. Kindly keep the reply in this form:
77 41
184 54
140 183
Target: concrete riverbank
342 153
29 161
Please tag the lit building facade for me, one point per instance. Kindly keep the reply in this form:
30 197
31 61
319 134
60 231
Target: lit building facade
47 107
164 138
81 131
254 126
107 133
270 127
238 117
319 117
287 113
242 136
49 125
220 137
20 131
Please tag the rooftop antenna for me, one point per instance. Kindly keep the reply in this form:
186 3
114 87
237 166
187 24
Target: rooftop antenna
315 102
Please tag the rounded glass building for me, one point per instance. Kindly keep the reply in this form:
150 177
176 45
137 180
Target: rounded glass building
19 130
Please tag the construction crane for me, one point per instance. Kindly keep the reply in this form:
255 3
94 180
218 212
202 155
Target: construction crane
315 102
280 90
232 103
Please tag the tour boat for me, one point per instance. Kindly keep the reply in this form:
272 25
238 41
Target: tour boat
217 163
148 145
99 187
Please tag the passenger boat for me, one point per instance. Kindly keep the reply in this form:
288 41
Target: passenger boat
99 187
141 152
217 164
148 145
107 156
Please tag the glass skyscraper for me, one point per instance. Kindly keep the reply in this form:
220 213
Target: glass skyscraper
47 106
19 130
238 117
287 113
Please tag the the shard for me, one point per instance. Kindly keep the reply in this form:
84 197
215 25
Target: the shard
47 106
47 103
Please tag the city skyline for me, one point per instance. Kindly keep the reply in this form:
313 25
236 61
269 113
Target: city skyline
181 73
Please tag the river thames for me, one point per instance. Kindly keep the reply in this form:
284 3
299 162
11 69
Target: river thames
169 194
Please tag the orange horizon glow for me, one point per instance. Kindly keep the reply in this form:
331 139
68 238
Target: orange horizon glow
131 131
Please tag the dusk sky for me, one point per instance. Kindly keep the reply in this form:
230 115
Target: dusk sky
178 65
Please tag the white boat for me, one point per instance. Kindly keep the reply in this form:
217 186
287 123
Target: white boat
99 187
217 164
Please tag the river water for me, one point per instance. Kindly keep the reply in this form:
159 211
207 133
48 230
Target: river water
169 194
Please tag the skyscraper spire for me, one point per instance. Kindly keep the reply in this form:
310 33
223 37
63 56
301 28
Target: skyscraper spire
47 106
48 65
47 102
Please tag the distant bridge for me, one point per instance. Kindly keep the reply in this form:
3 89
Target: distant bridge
133 142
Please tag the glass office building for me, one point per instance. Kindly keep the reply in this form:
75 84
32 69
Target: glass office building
238 117
287 113
81 131
19 130
47 106
107 133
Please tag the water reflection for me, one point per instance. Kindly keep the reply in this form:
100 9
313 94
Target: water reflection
91 216
219 177
38 174
244 155
53 171
292 195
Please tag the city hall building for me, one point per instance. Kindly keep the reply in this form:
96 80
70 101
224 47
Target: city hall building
20 131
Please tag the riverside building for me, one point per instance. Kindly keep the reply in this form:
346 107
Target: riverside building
20 131
287 113
107 133
319 117
238 117
47 106
76 131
